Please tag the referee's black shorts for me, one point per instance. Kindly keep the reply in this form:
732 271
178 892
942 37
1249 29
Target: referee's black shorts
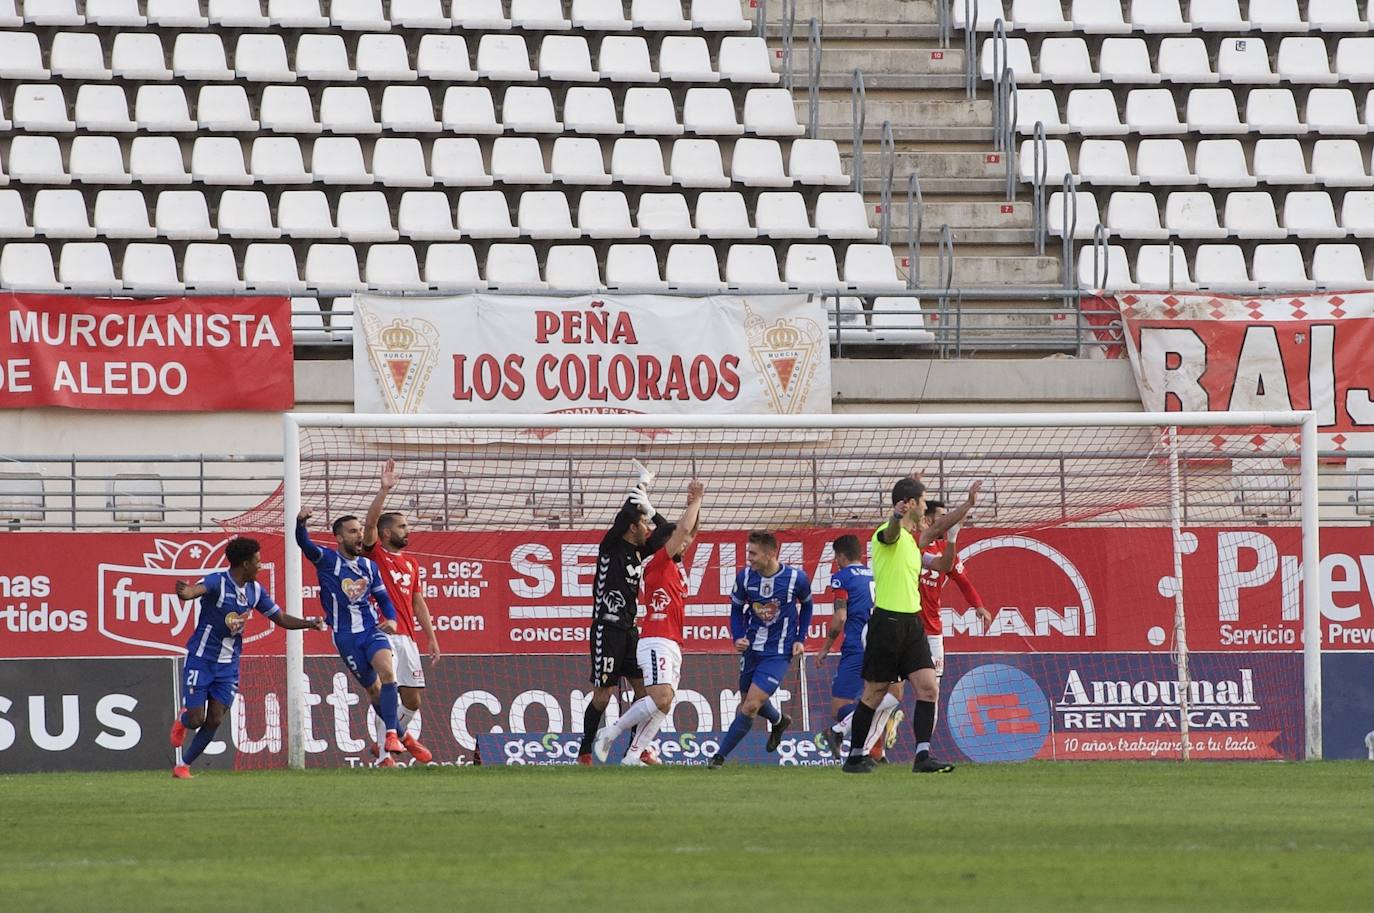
896 646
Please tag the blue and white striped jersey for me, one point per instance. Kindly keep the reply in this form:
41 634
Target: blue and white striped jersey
773 612
212 641
345 587
857 582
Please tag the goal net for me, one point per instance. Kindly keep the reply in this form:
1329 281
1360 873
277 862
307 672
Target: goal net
1142 573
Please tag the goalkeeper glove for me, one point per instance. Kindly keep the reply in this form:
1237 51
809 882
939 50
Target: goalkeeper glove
640 498
646 478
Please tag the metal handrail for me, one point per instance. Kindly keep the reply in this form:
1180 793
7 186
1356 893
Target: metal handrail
1040 168
1070 227
1000 55
1011 107
887 167
971 48
859 107
789 19
946 256
761 18
942 21
915 202
813 89
1101 266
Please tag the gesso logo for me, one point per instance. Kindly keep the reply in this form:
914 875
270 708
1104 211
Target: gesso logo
548 748
998 713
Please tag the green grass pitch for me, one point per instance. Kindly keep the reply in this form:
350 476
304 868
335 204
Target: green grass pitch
1040 836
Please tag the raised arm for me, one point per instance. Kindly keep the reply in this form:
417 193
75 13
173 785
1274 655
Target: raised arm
686 524
966 587
374 510
941 525
312 552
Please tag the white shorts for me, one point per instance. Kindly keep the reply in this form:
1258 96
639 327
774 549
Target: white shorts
409 673
661 660
937 652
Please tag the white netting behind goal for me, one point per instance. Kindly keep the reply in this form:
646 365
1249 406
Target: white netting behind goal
1098 647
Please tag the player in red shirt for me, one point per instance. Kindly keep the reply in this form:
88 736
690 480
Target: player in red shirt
659 653
934 575
385 536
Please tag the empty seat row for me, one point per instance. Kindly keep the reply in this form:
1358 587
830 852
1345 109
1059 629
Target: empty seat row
334 268
1223 267
1094 112
370 15
401 162
1239 59
1194 214
430 215
1109 17
1215 163
468 110
202 57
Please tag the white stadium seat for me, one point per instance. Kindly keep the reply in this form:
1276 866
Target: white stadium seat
94 160
694 268
287 109
452 266
1105 162
1162 266
1134 215
591 109
425 215
664 216
519 160
1304 60
1158 17
157 160
469 110
176 14
872 267
985 14
722 214
1056 162
1338 163
746 60
1281 161
599 15
224 109
658 15
61 214
529 109
718 16
1018 58
124 213
365 216
685 58
1039 106
697 163
1098 17
1250 215
400 162
52 12
514 267
1039 16
1163 162
38 160
444 57
1355 60
245 214
538 15
771 112
1221 163
383 58
88 267
14 223
267 265
782 214
43 108
811 267
338 160
120 13
816 162
651 111
323 57
408 109
1213 111
1112 273
758 163
1245 60
332 268
458 162
578 160
393 268
239 14
752 266
1065 60
219 160
78 55
1127 60
200 58
306 214
1276 16
147 267
1332 112
1153 111
709 112
1310 214
480 15
485 214
545 215
1083 221
28 266
504 58
183 215
162 109
605 214
347 109
1185 60
1280 267
1192 214
358 15
262 58
1092 112
1216 16
636 160
843 215
210 268
1334 16
1357 213
633 266
1339 266
1273 111
566 58
625 58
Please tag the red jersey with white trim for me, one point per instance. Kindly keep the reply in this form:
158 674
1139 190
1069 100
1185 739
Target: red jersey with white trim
401 576
933 582
665 598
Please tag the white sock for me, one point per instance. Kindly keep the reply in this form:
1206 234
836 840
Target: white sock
639 712
403 716
888 704
846 725
379 729
647 733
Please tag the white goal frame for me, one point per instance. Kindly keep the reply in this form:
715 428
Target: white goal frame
1306 422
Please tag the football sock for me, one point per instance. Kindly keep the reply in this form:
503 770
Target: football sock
404 716
863 722
204 736
738 730
922 725
648 732
591 722
639 712
770 712
378 727
388 701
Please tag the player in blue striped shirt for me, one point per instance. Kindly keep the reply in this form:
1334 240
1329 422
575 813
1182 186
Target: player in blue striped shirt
210 679
349 585
770 611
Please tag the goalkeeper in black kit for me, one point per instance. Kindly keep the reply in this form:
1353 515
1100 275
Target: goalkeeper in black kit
638 532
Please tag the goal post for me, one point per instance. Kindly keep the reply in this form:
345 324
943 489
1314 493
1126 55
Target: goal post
1154 477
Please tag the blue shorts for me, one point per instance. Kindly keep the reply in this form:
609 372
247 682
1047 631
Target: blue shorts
848 682
767 670
357 650
202 680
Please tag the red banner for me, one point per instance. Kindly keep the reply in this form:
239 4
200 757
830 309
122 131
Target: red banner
1070 590
159 355
1219 353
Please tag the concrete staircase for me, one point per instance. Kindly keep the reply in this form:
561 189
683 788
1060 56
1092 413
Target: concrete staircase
938 133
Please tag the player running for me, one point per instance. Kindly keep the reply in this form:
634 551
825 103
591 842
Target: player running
210 679
852 585
615 603
936 570
385 536
770 611
659 653
349 585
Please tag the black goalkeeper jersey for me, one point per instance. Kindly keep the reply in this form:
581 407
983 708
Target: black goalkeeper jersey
619 569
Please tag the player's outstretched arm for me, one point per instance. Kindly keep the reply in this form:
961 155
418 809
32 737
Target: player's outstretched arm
374 510
970 592
312 552
941 525
426 625
295 623
190 590
687 524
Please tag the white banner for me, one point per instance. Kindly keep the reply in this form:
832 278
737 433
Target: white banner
632 354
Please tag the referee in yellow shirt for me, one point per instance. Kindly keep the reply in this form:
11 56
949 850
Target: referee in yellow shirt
896 647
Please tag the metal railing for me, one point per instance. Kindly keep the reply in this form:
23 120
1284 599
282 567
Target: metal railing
1100 259
915 220
970 48
789 21
887 167
942 12
1039 175
1069 225
761 18
813 88
1005 112
859 107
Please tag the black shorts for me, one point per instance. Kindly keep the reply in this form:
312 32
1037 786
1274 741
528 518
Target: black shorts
896 647
614 654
